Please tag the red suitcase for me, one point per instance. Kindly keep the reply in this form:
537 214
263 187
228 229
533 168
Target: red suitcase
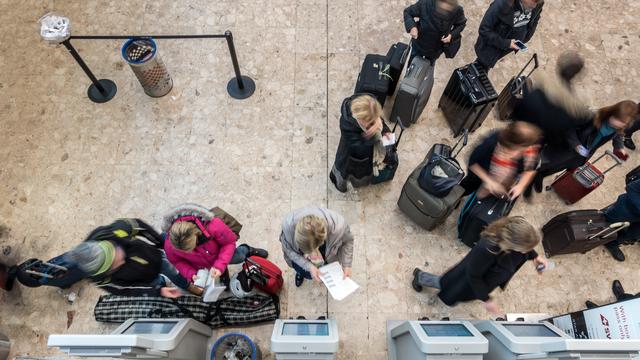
574 184
267 275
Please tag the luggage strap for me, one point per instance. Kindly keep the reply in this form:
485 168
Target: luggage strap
464 139
613 228
533 59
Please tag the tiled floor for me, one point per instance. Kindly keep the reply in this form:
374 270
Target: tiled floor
69 165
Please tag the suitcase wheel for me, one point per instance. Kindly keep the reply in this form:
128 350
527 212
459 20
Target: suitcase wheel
548 188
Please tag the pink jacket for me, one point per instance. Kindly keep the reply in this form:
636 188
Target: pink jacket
217 252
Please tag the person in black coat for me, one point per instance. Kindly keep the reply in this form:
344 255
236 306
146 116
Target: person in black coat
608 124
360 151
628 141
504 247
437 30
626 208
505 22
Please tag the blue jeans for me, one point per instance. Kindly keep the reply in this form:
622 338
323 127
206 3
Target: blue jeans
241 253
304 273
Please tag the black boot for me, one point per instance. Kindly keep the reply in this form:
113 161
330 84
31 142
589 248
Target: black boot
617 289
225 280
415 283
299 280
629 144
258 252
333 179
590 304
615 251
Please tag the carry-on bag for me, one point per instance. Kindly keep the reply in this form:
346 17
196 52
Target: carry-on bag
578 232
57 272
374 77
442 171
264 274
468 98
231 311
396 57
574 184
414 92
632 176
391 159
477 213
514 90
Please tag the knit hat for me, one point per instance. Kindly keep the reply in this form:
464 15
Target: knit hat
93 257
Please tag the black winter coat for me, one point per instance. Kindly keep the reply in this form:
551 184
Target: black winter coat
497 30
354 156
483 269
432 26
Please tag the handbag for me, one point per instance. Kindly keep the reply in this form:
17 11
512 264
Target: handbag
442 171
229 220
491 208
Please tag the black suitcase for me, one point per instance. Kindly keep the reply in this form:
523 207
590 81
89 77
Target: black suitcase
477 213
514 90
468 98
633 175
374 77
414 92
396 57
578 232
391 159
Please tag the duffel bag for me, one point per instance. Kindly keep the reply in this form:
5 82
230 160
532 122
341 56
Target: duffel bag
265 275
229 311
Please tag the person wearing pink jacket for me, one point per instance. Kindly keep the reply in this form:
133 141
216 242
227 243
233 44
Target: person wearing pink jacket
195 239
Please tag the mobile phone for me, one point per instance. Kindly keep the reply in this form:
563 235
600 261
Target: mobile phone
522 46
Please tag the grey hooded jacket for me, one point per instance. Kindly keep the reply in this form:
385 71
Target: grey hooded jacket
339 243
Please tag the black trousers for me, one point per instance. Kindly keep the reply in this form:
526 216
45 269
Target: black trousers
633 128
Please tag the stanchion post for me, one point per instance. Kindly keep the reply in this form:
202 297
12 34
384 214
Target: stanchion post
101 90
240 87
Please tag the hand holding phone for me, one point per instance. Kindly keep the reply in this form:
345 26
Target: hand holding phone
521 46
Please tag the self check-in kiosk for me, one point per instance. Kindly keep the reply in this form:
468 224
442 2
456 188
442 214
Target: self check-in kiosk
434 340
305 339
175 339
520 340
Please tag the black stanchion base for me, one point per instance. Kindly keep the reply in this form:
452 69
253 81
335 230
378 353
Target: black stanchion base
110 91
236 92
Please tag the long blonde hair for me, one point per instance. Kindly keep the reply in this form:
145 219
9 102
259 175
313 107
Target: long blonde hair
184 235
512 233
366 109
311 233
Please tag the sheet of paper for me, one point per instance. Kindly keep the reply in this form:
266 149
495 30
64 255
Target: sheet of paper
333 278
204 278
212 292
390 140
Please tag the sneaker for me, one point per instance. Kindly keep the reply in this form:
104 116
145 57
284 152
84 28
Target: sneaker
258 252
616 252
299 280
629 144
414 283
617 289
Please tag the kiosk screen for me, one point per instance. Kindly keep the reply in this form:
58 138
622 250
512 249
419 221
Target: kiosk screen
150 327
441 330
305 329
530 330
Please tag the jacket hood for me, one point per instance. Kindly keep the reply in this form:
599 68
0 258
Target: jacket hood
188 209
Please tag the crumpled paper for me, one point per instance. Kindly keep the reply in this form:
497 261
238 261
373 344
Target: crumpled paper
54 29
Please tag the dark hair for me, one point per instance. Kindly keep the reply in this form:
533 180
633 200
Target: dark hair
624 110
569 65
519 134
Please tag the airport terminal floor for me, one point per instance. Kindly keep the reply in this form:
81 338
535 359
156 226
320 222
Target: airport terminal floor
68 165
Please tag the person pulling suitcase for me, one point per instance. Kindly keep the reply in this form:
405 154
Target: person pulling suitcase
438 28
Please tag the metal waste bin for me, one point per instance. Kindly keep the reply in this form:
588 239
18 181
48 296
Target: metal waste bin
142 56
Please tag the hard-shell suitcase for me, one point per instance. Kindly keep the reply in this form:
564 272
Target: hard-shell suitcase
468 98
632 176
391 159
374 77
425 209
476 214
578 232
574 184
514 90
396 57
414 92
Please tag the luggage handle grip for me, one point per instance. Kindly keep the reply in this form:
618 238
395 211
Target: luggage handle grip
536 64
464 139
613 228
611 155
398 121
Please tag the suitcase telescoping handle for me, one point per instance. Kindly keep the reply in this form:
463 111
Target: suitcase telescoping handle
536 64
398 121
610 154
463 140
612 229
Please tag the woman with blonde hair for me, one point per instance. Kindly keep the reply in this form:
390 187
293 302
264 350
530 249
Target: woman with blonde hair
505 245
312 237
360 151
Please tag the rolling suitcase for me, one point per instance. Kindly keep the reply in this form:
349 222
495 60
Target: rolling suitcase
468 98
374 77
414 92
578 232
477 213
632 176
514 91
391 159
396 57
574 184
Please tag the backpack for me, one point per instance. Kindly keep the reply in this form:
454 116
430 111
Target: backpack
265 275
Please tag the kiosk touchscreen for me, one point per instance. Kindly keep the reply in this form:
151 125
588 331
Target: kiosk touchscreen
305 339
520 340
442 340
179 339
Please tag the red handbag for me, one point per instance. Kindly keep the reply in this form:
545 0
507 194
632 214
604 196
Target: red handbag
265 275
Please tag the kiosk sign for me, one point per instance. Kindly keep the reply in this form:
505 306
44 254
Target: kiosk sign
619 320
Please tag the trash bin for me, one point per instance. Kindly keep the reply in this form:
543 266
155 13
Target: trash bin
235 346
142 56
